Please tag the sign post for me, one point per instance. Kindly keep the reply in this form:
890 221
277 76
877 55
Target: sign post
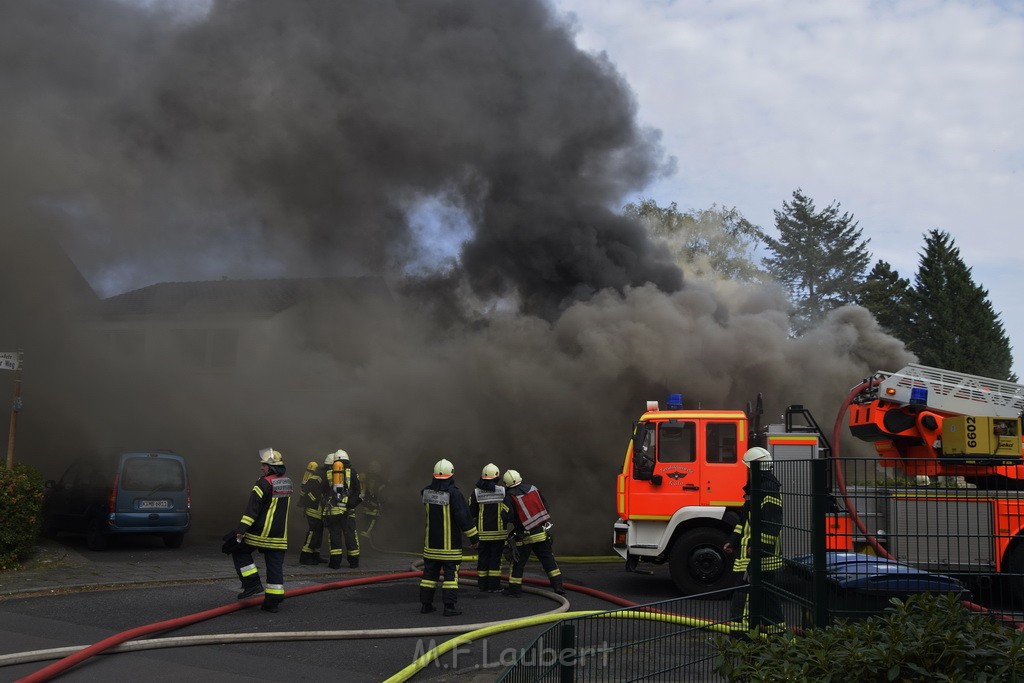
13 361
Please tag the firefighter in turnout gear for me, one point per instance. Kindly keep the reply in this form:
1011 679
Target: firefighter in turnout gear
341 496
487 507
765 547
447 518
311 503
528 514
264 527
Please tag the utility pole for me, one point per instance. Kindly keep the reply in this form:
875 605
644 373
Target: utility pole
16 404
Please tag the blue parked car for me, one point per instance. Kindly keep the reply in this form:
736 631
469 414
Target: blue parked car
137 492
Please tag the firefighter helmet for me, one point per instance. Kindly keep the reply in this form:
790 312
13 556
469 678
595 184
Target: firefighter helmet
443 469
341 455
756 453
312 466
512 478
268 456
329 460
490 471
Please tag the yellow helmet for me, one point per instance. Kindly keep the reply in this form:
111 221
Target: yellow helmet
512 478
268 456
490 471
312 466
443 469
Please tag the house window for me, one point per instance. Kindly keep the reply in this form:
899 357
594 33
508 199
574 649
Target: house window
125 344
213 349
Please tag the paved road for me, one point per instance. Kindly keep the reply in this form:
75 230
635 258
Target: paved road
68 596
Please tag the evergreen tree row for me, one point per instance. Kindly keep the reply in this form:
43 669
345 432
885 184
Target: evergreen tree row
821 257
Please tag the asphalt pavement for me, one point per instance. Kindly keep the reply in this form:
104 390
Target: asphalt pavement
66 595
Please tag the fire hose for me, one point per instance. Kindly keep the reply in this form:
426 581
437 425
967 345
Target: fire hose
125 641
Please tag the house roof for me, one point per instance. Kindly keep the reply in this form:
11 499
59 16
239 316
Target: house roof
256 298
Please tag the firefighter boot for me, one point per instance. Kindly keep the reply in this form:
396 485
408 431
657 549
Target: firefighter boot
250 590
427 608
272 606
335 562
353 562
307 558
556 585
450 610
513 590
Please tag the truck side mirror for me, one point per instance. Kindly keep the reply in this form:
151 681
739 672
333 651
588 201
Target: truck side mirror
643 450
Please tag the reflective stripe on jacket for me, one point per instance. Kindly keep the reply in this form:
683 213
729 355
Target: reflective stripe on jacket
264 523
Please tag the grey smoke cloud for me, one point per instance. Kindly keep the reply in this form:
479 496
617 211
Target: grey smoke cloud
268 139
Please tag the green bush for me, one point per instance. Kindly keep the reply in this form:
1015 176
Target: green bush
21 496
924 638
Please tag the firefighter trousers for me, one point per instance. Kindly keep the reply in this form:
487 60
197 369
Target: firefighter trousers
542 549
432 570
341 531
772 621
488 565
314 535
249 574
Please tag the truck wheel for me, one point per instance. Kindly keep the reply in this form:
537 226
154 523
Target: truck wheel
698 564
95 539
1014 569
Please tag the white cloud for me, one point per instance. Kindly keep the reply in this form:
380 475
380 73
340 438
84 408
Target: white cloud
907 113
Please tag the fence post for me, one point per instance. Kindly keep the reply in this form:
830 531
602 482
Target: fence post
756 587
820 506
567 653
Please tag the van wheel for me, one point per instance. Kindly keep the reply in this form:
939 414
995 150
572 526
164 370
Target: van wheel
95 539
698 564
174 540
48 529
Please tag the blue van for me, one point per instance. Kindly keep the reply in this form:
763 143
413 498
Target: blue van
133 492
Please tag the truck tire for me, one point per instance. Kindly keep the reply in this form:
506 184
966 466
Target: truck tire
1014 569
697 562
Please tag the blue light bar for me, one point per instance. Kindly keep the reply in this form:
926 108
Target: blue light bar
675 402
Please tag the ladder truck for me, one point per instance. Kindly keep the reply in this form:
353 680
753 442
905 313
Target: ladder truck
961 431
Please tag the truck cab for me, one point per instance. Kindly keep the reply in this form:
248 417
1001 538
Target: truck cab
681 476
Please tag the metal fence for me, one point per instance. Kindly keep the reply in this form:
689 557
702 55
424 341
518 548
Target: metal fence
853 538
856 536
671 640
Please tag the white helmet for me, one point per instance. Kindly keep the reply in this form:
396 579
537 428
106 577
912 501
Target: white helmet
331 457
512 478
341 455
490 471
756 453
443 469
268 456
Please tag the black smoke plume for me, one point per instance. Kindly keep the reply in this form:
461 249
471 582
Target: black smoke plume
168 142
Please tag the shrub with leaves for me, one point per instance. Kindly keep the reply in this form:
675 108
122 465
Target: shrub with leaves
21 496
923 638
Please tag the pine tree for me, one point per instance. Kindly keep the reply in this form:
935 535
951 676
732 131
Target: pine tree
887 296
954 325
819 256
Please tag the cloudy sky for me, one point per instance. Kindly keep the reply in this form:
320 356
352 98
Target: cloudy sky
909 114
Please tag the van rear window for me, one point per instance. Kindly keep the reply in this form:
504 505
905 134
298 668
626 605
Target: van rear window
152 474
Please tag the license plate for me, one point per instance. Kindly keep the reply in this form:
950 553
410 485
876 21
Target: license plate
154 504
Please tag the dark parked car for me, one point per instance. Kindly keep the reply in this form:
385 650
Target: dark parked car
139 492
